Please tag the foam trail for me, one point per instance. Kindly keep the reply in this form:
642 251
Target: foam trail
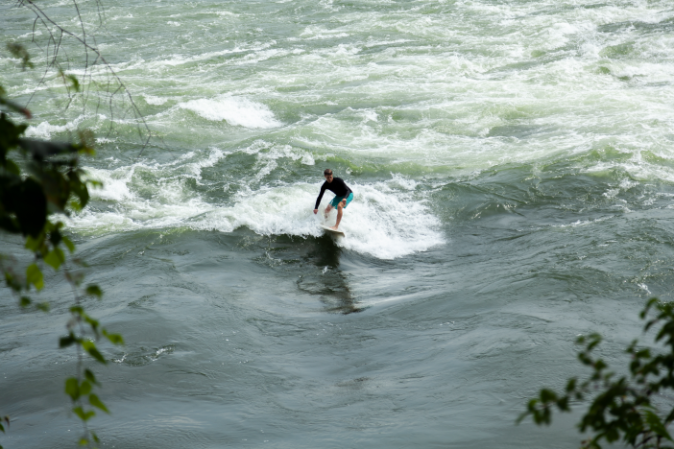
379 222
388 224
386 220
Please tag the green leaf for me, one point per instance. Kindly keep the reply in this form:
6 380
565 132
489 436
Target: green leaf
115 339
96 402
12 282
95 437
24 301
93 323
571 385
83 442
69 244
85 388
547 395
94 290
79 189
43 306
55 258
55 236
521 417
89 375
20 52
34 243
64 342
72 388
11 167
656 425
29 204
90 347
84 416
34 276
74 82
76 310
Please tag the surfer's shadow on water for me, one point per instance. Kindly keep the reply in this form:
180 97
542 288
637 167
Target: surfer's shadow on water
327 281
314 263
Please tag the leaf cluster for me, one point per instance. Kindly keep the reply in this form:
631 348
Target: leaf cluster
37 180
51 180
622 408
80 389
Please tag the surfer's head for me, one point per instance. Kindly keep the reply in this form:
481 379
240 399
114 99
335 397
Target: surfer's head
328 174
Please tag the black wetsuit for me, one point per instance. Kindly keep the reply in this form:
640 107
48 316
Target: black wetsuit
337 186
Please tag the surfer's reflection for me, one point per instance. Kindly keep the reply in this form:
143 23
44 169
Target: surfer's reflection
327 280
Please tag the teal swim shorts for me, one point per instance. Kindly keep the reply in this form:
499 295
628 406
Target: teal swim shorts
336 200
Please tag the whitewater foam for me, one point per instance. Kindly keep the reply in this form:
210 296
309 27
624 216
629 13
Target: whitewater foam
155 101
388 223
236 111
381 221
386 220
45 130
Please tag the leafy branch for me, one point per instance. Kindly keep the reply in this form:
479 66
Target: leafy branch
38 180
624 408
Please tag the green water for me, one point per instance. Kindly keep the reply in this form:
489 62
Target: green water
513 173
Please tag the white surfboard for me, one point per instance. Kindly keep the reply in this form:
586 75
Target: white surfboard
331 231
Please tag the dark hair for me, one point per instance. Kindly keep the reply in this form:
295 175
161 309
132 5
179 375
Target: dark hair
327 171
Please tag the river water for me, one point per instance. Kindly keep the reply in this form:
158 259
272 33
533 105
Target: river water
513 169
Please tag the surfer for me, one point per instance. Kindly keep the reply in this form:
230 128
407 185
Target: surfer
343 196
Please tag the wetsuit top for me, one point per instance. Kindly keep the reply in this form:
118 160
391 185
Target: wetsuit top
337 186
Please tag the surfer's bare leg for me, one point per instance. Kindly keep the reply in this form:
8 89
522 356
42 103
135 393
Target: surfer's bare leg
327 211
340 209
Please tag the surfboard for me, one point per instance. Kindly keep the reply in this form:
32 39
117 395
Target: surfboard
333 232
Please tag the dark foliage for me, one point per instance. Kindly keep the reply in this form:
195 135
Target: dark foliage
38 180
622 408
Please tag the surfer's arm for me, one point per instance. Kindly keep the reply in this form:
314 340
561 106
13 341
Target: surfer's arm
320 197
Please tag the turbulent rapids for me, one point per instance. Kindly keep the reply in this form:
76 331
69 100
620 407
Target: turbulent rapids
513 170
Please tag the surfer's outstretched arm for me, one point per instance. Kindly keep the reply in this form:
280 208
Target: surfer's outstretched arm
320 197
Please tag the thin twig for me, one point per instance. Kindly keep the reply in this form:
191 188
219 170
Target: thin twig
82 40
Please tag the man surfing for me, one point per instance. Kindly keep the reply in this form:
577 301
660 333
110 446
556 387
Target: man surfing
343 196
